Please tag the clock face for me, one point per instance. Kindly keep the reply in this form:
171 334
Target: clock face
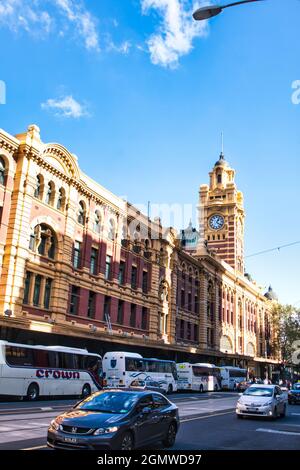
216 222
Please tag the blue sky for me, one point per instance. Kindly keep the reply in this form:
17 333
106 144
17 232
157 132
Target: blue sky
141 94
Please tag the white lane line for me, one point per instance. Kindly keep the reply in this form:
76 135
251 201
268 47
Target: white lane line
46 408
205 417
276 431
295 414
35 448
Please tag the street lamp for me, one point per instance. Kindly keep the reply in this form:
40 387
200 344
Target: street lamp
209 11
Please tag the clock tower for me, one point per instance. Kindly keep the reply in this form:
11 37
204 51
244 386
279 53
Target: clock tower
222 215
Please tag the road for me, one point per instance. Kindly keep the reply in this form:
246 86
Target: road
208 422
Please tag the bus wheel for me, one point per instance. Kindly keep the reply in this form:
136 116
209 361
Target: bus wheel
201 388
86 391
32 392
170 389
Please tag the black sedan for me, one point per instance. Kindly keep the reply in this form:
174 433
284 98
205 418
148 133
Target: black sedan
294 394
117 419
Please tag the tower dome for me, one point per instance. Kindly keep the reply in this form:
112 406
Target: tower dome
271 295
221 161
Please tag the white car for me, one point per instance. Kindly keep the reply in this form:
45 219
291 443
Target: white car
262 400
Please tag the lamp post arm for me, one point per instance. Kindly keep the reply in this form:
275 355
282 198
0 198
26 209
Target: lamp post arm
240 3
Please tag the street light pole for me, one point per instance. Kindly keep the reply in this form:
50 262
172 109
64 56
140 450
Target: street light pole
207 12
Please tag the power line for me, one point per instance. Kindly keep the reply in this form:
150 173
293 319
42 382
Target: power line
278 248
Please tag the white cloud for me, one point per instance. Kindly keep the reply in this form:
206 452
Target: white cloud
66 107
177 30
122 48
39 17
82 20
26 15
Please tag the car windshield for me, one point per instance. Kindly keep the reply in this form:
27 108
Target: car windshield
110 402
259 392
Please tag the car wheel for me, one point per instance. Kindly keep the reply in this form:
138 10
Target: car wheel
127 441
170 389
86 391
32 392
239 416
169 441
201 389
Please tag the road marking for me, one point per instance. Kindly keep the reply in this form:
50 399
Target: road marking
46 408
35 448
275 431
212 415
295 414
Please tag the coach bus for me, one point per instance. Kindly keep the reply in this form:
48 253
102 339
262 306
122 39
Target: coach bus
34 371
231 376
121 369
201 377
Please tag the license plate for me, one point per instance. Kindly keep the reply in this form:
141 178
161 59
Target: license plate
251 409
72 440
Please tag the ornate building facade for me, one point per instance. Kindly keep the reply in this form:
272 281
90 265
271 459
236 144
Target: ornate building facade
81 267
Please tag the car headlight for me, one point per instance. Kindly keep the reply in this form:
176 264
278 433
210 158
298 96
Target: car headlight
269 403
110 430
55 425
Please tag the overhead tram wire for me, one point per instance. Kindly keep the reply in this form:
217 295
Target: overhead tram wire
278 248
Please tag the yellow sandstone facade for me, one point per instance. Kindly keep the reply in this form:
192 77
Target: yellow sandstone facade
80 266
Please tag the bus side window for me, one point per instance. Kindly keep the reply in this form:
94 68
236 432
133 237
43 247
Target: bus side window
16 356
53 359
41 358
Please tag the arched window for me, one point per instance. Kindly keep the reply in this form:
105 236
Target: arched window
50 193
61 199
111 230
43 241
2 171
39 187
81 213
97 222
219 177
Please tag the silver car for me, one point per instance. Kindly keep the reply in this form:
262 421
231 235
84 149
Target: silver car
262 400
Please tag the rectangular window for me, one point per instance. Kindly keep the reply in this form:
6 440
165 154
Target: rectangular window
91 305
196 306
145 282
196 333
190 301
94 261
74 302
144 318
182 298
106 308
134 277
182 329
76 255
47 294
133 315
121 277
26 288
108 264
37 290
120 317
